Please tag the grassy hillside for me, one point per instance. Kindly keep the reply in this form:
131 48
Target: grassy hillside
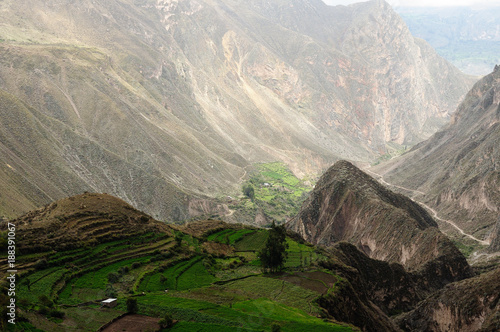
206 277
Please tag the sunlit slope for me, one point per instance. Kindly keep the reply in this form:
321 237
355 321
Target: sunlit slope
190 93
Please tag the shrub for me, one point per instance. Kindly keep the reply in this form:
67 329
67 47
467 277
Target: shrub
132 306
249 191
123 270
110 291
41 264
57 313
113 277
45 301
136 265
166 322
43 311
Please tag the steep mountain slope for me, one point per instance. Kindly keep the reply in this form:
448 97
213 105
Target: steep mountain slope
43 159
189 93
495 238
348 205
468 305
459 167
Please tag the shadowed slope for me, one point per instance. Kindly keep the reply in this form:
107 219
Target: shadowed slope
348 205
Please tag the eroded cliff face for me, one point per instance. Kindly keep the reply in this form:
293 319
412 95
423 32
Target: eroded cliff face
495 238
348 205
469 305
458 168
186 94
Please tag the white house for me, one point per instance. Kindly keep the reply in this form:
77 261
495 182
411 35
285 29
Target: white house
110 303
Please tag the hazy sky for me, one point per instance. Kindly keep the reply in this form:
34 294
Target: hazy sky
424 3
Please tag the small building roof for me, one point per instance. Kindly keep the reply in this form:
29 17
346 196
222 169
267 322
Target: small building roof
109 300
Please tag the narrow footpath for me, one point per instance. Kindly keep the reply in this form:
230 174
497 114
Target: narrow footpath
434 213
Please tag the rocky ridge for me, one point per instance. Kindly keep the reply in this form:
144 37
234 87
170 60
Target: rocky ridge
468 305
349 205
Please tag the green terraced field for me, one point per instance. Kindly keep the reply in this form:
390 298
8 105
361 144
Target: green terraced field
41 283
290 319
275 289
229 236
99 279
206 292
184 275
252 242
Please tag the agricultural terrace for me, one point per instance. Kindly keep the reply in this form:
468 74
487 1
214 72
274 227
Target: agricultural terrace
218 291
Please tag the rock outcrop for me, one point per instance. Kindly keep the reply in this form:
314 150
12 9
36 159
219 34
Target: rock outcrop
349 205
495 238
466 306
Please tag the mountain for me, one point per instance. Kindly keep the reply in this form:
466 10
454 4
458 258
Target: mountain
468 37
458 168
349 205
495 237
163 103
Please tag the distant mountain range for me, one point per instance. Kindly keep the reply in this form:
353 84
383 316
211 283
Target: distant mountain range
165 103
468 37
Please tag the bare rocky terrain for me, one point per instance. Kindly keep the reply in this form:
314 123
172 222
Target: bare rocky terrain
458 167
163 103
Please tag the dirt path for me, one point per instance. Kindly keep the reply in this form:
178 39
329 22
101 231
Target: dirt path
434 212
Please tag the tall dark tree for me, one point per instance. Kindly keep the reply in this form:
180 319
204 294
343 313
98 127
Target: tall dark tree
274 255
249 191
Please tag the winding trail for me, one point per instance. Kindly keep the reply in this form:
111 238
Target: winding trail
434 212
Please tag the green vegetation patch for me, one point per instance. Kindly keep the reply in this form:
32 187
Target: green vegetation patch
99 279
194 277
252 242
40 283
184 275
188 310
290 319
202 327
229 236
274 289
275 190
301 255
90 319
